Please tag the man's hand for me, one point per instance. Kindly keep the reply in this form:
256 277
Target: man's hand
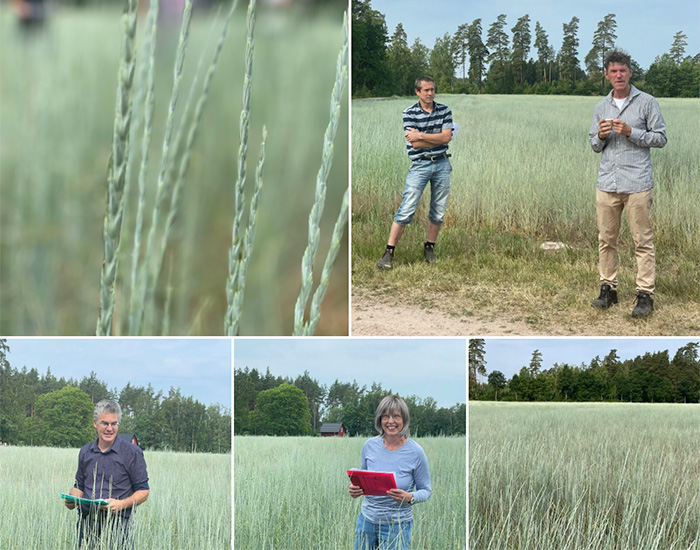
356 491
76 493
621 128
605 127
399 495
113 505
412 135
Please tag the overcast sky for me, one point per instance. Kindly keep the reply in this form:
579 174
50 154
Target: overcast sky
434 368
510 355
645 28
200 367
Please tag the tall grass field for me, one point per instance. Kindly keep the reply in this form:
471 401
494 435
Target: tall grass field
291 493
523 173
189 505
57 92
555 476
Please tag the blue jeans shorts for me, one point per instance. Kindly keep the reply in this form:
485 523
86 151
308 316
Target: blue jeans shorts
372 536
420 173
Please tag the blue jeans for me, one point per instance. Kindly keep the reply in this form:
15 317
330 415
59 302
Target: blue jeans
420 173
372 536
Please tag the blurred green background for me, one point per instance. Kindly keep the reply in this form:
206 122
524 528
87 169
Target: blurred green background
57 94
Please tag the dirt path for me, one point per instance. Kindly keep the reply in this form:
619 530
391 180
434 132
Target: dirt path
373 317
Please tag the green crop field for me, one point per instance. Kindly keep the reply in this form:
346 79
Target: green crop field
57 95
292 494
555 476
524 173
189 505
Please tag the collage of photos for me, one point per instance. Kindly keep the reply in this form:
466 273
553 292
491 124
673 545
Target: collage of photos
349 275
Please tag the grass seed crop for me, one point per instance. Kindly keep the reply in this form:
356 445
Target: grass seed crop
564 476
292 493
189 505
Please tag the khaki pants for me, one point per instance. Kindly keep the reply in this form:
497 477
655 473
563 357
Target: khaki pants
638 208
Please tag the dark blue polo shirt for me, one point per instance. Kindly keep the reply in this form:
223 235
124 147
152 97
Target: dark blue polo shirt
118 473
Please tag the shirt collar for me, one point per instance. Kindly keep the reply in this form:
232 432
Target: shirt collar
633 92
94 446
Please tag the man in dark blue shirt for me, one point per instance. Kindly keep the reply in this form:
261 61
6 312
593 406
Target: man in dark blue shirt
427 128
112 470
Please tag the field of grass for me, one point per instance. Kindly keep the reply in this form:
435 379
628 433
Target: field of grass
584 476
189 505
292 493
524 173
57 94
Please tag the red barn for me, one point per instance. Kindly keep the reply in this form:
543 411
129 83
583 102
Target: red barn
131 438
333 429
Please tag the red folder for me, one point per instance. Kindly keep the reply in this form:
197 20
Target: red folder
373 483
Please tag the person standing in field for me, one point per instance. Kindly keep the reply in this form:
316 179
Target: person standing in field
386 522
625 125
110 469
427 128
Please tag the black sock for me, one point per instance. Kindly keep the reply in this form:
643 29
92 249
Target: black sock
428 243
390 247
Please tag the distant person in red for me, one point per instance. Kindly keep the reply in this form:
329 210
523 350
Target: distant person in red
30 13
385 522
110 469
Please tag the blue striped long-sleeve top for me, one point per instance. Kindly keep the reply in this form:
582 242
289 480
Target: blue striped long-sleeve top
625 164
429 123
410 467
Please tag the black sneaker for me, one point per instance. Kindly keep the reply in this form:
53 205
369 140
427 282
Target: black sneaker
645 305
386 259
607 297
429 253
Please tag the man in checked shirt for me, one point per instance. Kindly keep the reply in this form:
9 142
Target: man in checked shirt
625 125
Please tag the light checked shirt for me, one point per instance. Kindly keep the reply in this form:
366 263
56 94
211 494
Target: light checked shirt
625 164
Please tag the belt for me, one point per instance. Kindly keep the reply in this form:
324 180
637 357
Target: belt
433 158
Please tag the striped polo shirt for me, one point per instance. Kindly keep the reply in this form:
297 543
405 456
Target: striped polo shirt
429 123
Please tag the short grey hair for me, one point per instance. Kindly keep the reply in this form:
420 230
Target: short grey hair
107 406
390 404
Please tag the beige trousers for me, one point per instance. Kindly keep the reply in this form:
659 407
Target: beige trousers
637 206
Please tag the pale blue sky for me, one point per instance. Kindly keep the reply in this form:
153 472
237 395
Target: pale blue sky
434 368
200 367
509 355
645 28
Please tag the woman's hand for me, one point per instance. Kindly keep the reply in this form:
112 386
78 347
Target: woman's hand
399 495
356 491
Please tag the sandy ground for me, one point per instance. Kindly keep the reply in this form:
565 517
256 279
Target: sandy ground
372 316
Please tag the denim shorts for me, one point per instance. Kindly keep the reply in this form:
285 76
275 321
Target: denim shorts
372 536
420 173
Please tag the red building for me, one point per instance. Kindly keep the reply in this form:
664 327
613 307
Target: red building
333 429
131 438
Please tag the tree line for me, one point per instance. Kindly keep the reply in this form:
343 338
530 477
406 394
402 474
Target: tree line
272 405
505 63
42 410
648 378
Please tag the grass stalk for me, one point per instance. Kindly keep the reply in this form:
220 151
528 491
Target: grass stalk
233 312
148 280
309 328
116 172
321 184
233 285
149 101
189 143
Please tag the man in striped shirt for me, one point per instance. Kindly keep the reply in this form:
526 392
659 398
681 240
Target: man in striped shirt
625 125
428 129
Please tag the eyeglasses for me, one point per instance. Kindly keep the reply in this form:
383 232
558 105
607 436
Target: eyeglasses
392 417
105 424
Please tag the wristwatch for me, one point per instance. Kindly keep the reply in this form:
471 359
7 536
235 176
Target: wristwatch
413 500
